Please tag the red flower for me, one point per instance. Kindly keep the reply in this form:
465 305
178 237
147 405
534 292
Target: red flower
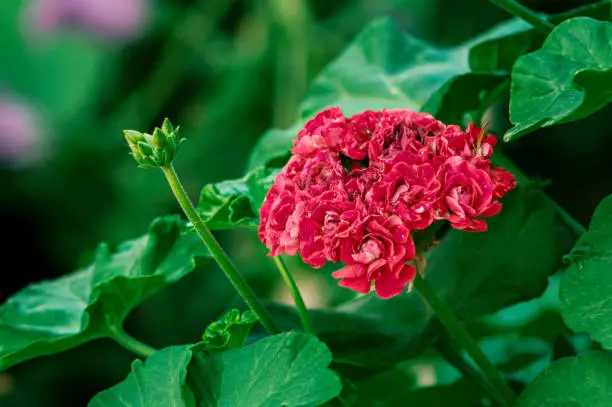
378 254
327 130
467 192
355 189
409 189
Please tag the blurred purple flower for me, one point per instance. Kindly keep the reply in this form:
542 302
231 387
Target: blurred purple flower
109 19
20 132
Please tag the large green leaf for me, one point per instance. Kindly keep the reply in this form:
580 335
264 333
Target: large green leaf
386 68
586 288
288 370
55 315
581 381
567 79
159 381
484 272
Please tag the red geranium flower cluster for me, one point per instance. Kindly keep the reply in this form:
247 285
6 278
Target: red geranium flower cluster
355 188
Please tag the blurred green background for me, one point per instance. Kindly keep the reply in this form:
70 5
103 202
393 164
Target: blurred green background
74 73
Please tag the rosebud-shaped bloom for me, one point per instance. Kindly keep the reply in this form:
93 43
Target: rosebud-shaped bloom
326 130
474 142
379 255
157 150
112 19
409 189
467 193
331 219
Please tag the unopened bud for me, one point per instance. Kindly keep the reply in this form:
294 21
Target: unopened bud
133 136
157 150
159 138
167 127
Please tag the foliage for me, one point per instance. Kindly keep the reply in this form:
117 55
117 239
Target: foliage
550 343
295 367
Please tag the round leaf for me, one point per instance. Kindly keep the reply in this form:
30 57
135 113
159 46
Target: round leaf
586 288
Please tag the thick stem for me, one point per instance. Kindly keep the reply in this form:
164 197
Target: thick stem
130 343
522 12
217 251
460 335
295 293
449 351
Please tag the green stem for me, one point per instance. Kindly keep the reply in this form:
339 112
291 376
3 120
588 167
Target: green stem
458 332
516 9
130 343
217 251
295 293
449 351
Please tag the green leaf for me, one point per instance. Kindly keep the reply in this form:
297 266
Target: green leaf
581 381
159 381
586 287
385 68
484 272
272 148
235 203
566 80
288 369
52 316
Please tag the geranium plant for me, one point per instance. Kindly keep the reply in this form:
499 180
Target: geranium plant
393 183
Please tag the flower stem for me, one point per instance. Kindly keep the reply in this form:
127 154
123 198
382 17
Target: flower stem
217 251
449 351
458 332
516 9
295 293
130 343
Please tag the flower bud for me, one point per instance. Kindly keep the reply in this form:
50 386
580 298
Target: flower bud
159 139
133 136
157 150
167 126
